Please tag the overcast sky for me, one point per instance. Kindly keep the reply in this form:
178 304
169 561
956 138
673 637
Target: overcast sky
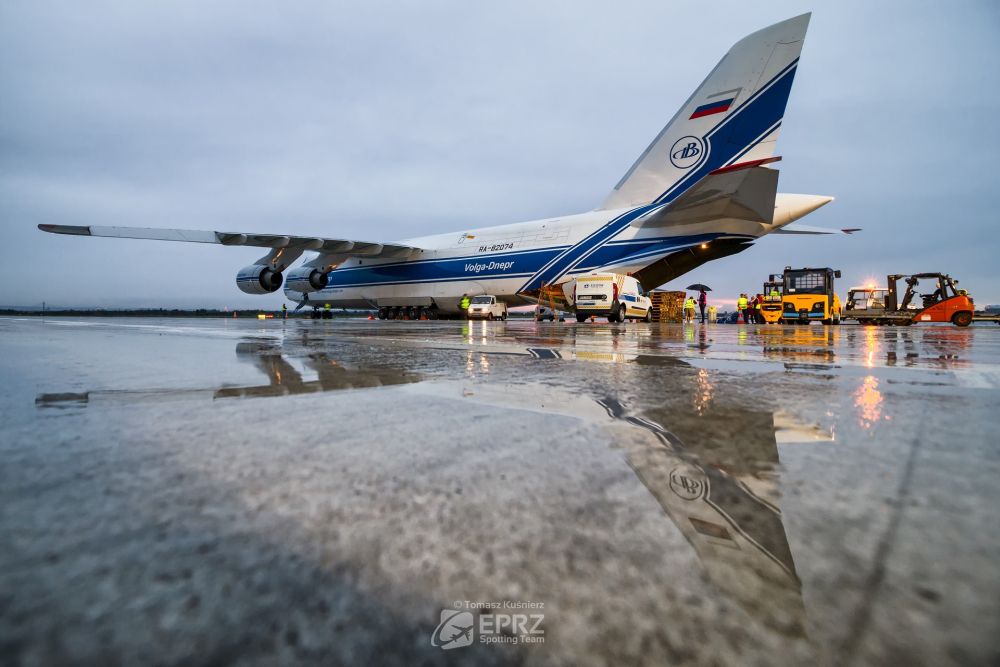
381 121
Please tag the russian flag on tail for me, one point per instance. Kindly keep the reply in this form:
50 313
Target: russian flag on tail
712 108
720 105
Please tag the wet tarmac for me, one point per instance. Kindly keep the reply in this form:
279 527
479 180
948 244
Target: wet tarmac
356 492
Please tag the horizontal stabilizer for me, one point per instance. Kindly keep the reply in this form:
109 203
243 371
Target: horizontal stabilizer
324 245
802 229
741 194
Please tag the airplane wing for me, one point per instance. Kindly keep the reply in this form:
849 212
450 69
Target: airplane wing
346 247
744 191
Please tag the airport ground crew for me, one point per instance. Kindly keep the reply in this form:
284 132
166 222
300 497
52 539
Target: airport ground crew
702 302
689 309
775 294
284 311
464 305
757 314
741 304
326 312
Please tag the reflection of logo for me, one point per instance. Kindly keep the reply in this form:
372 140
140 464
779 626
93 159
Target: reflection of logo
685 152
454 630
688 482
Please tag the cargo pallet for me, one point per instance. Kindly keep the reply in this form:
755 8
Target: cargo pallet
667 306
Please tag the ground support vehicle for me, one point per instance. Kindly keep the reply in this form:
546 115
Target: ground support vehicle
487 307
808 296
771 308
929 297
612 295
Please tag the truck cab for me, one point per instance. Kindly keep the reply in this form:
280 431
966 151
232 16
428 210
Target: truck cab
808 296
486 307
612 295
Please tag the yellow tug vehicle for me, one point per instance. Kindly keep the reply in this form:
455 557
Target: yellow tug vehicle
771 308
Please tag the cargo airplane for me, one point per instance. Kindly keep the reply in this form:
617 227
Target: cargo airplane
705 188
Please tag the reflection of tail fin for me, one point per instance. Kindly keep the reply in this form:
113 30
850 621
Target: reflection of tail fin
733 116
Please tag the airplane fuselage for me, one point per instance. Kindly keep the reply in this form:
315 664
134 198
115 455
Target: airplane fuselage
512 261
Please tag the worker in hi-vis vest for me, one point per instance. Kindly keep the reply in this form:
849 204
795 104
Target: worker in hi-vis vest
464 305
689 309
742 304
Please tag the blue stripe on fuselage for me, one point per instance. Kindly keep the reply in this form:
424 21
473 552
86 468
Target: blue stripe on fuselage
440 270
525 263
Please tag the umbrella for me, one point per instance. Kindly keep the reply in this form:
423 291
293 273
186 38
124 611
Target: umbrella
699 287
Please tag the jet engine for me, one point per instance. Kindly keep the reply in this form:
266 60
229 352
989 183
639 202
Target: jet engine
306 279
258 279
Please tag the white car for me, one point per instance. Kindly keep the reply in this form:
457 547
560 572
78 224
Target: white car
486 307
611 295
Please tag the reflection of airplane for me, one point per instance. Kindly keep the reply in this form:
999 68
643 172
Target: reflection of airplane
713 474
283 378
701 191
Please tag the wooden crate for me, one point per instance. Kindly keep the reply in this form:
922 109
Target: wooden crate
667 306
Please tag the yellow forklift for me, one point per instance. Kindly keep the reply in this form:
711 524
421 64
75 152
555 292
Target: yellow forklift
771 308
808 296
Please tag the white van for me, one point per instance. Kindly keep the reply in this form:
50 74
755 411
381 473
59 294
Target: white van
486 307
611 295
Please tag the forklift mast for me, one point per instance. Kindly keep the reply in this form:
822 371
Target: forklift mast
892 299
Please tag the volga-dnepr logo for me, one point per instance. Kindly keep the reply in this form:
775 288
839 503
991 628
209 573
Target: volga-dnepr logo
686 152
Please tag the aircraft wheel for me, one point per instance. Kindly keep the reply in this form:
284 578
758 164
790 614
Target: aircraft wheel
504 317
962 319
581 317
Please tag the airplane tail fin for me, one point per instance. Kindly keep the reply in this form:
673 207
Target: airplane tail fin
734 116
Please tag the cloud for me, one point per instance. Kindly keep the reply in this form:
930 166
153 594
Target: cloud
393 120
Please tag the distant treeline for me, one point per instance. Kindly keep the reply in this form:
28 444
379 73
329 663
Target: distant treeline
158 312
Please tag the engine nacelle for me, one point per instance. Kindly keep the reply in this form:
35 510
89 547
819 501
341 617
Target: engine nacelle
306 279
258 279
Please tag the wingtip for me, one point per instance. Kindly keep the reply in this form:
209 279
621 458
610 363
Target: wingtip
77 230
